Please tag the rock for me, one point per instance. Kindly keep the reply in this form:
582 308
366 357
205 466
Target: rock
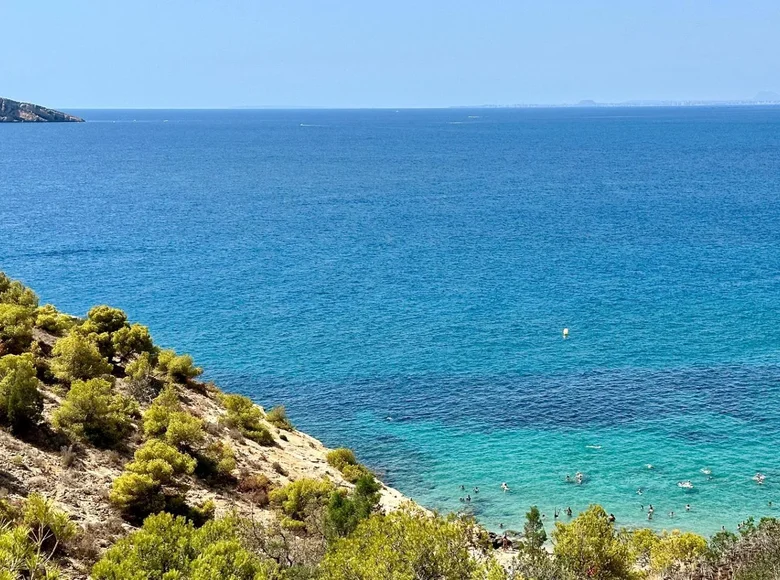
16 112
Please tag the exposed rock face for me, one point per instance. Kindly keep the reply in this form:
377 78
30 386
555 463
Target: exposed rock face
16 112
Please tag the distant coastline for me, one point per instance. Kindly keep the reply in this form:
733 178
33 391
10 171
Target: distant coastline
20 112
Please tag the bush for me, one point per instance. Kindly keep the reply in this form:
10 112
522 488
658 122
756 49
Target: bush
160 461
76 358
345 512
30 537
104 319
245 416
48 526
409 544
140 490
278 418
170 548
179 368
301 500
341 457
165 419
256 487
132 340
20 401
136 494
16 324
140 378
216 461
14 292
48 318
588 547
93 412
344 460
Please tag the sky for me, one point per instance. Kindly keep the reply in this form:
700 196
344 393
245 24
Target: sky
375 53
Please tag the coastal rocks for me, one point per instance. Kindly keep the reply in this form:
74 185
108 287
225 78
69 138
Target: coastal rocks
17 112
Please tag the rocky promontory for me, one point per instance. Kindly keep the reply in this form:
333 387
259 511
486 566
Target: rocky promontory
17 112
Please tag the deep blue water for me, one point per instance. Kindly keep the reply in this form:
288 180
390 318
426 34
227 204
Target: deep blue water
400 281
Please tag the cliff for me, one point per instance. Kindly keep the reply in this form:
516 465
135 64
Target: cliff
17 112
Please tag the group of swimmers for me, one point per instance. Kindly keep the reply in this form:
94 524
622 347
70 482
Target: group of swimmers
467 497
651 511
579 477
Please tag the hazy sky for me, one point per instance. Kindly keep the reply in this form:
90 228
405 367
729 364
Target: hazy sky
372 53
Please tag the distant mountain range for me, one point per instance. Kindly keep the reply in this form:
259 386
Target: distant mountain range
18 112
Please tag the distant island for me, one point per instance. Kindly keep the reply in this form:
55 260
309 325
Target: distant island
18 112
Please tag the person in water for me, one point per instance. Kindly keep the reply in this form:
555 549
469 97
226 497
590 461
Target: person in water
687 507
476 489
568 512
468 498
556 514
611 518
504 487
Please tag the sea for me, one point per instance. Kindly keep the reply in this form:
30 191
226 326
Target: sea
400 281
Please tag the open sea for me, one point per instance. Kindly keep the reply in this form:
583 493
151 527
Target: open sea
400 281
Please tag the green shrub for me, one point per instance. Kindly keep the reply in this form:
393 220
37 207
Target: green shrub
104 319
345 461
30 537
48 526
132 340
346 511
278 418
165 419
171 548
20 401
77 358
245 416
140 378
179 368
410 544
92 412
143 488
589 547
216 461
14 292
341 457
160 461
301 500
48 318
16 324
136 494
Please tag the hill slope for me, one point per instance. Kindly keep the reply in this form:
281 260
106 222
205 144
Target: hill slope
18 112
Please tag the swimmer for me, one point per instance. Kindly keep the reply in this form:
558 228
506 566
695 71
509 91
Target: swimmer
687 507
468 498
462 499
500 525
649 516
544 516
568 478
463 487
639 491
504 487
476 490
557 513
651 509
650 466
671 514
611 518
642 507
568 512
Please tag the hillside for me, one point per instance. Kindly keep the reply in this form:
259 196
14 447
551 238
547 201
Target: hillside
18 112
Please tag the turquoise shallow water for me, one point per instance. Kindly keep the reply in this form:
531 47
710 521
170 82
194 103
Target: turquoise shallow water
400 281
